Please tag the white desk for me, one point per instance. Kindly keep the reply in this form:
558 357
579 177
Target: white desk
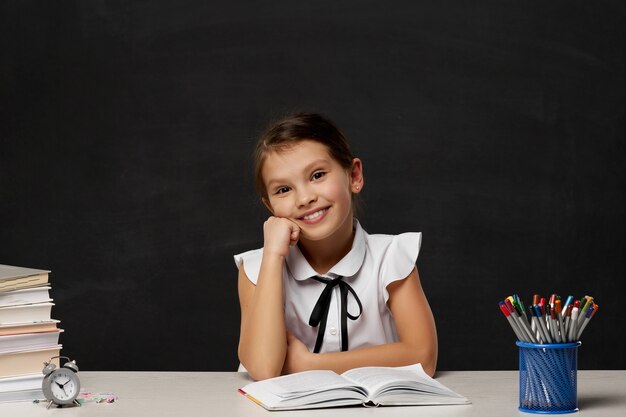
214 394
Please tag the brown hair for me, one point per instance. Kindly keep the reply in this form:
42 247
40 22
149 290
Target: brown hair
293 129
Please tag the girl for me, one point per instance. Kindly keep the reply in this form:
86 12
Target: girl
322 293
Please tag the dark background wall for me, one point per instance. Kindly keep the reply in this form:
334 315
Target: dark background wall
494 127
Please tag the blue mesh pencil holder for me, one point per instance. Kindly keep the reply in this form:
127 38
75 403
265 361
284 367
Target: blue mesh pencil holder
547 377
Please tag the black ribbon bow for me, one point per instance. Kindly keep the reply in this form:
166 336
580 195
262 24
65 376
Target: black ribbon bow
319 315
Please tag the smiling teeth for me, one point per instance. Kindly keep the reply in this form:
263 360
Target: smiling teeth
314 215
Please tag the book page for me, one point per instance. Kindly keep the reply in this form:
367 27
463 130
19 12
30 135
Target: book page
378 379
374 378
301 383
310 389
10 271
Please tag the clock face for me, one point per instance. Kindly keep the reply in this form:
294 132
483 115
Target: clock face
62 386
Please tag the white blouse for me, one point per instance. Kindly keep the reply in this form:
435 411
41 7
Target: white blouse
372 264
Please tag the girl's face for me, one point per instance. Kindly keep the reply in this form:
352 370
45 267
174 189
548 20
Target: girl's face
306 185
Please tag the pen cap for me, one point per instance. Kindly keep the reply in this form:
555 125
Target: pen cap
569 300
510 306
557 306
504 309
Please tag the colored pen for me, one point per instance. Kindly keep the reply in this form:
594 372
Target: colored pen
559 319
520 321
542 305
521 306
552 300
555 325
535 324
583 312
546 317
507 314
590 313
542 325
568 318
575 322
573 325
569 300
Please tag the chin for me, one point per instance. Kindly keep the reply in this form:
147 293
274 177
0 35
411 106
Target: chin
321 234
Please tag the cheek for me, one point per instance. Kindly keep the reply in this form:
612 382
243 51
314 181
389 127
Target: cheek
340 193
280 208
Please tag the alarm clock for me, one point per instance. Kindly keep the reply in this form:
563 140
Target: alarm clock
61 386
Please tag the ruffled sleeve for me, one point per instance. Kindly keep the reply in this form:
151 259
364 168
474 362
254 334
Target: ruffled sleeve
251 262
399 259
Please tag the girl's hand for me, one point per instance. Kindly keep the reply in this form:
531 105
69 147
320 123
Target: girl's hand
298 356
279 233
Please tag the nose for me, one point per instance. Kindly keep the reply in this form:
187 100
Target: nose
306 196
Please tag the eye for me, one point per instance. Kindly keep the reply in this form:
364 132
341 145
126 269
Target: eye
317 175
282 190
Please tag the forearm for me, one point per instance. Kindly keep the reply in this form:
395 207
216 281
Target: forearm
392 354
263 345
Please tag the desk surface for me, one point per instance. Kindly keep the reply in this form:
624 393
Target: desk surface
155 394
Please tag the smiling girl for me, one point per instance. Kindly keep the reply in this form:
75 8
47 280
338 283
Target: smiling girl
322 293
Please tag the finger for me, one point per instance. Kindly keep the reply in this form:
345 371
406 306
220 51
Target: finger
295 235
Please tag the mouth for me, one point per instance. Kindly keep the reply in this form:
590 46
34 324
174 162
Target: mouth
314 216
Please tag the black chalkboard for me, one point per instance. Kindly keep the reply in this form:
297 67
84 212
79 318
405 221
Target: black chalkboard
496 128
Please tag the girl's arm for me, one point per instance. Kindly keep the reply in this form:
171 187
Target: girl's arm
416 330
262 338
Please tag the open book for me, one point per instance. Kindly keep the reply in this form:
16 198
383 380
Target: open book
370 386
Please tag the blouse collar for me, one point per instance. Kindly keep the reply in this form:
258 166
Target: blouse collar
348 266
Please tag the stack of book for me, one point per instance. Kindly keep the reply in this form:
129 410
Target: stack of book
28 335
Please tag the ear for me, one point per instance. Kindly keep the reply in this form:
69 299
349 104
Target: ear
356 176
267 204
